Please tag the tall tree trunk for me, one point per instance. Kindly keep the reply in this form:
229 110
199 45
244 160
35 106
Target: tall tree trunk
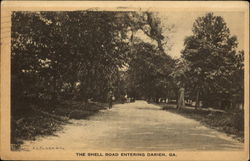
181 99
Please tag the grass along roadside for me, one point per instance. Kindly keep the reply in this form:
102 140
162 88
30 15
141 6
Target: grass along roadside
231 123
35 121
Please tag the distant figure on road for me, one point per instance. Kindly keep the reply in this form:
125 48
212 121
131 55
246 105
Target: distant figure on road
125 98
110 98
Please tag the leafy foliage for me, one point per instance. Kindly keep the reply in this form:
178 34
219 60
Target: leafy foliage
149 72
81 54
214 62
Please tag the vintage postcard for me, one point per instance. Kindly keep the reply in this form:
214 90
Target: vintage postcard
124 80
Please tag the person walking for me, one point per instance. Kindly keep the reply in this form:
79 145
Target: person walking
110 98
125 98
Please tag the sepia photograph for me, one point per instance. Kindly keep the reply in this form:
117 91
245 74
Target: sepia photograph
124 82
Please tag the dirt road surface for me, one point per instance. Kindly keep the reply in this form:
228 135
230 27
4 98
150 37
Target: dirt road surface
137 126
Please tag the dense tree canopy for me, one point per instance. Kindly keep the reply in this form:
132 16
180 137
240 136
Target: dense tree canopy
149 72
213 62
83 54
58 51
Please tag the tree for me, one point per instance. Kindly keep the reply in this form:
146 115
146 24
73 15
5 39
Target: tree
149 66
211 51
179 80
150 24
80 54
148 73
54 53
